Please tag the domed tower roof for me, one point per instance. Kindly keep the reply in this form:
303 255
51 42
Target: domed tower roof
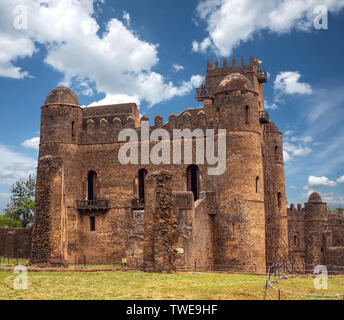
62 95
234 82
271 127
315 198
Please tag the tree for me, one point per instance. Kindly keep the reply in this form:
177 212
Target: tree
6 221
340 210
21 206
337 210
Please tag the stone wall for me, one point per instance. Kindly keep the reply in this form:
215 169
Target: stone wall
15 242
160 224
315 236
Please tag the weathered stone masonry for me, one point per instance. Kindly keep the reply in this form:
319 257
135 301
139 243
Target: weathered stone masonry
15 242
163 217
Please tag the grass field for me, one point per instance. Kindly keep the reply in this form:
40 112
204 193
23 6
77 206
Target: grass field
136 285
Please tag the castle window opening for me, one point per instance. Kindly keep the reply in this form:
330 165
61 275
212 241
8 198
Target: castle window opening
73 128
193 180
296 241
92 180
247 114
92 223
217 115
279 199
257 184
142 178
276 152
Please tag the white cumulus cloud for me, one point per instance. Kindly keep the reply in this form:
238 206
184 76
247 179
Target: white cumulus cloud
14 166
269 106
288 83
340 179
116 62
32 143
231 22
178 67
320 182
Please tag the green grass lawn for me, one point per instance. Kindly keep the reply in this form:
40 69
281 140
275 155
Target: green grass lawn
137 285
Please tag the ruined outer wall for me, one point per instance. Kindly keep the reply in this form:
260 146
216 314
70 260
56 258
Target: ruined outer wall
196 232
315 236
296 220
15 242
49 228
201 246
336 226
161 232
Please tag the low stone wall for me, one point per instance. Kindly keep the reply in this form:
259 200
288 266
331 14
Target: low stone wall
334 256
15 242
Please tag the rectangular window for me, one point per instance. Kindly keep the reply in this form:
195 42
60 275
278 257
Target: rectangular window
93 223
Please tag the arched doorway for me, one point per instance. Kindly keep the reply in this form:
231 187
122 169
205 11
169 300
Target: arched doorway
92 185
142 178
193 180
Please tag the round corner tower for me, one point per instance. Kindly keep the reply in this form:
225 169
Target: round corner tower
316 221
61 121
61 117
240 222
275 195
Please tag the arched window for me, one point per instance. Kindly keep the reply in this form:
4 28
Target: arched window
257 184
279 199
142 177
73 128
193 180
247 114
92 185
276 151
296 241
92 223
217 115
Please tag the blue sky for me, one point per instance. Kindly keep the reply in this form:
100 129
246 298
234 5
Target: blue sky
155 53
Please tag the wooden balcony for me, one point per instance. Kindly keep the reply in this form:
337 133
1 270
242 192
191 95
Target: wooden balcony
92 205
264 117
262 76
203 93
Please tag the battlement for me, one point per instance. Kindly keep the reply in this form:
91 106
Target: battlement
254 63
111 110
216 72
293 210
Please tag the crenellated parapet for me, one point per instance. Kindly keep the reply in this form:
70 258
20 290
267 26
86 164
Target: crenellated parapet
216 72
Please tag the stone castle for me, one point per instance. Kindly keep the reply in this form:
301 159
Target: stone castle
164 217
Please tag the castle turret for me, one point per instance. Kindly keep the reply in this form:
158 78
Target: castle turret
61 117
275 196
240 222
61 122
315 227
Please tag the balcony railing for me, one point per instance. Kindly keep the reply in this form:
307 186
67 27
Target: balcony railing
262 76
264 117
92 205
202 93
138 204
